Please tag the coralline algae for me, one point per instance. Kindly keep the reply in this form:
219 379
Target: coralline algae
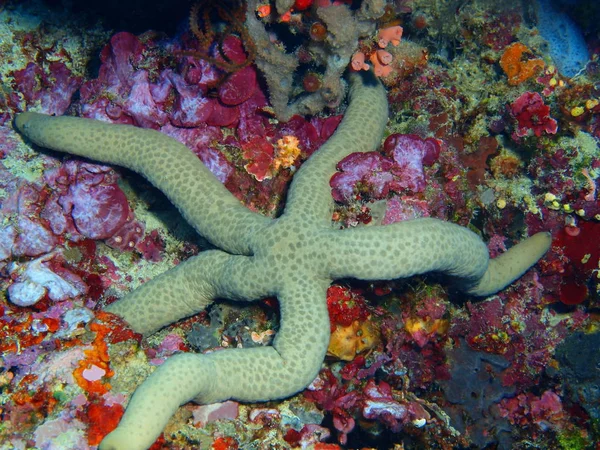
567 46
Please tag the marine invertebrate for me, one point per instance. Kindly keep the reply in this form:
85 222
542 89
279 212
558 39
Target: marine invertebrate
518 64
353 329
380 58
53 86
295 257
374 175
567 45
318 31
389 35
533 115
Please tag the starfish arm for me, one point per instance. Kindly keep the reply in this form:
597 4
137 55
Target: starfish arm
189 288
418 246
170 166
509 266
255 374
361 130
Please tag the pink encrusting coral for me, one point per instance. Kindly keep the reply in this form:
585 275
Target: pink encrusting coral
72 203
124 93
399 169
52 86
26 235
85 201
410 154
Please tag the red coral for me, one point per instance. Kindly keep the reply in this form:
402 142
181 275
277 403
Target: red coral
101 419
533 116
118 330
128 236
238 87
306 132
259 152
527 409
330 395
345 306
152 247
225 443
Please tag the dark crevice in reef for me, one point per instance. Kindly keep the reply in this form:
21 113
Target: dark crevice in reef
135 16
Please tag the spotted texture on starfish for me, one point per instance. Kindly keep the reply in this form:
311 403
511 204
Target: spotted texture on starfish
294 257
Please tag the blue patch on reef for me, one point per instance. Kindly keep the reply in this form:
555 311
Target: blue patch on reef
567 45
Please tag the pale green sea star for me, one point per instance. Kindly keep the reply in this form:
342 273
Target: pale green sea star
294 257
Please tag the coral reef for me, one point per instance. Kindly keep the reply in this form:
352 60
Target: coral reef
491 127
253 261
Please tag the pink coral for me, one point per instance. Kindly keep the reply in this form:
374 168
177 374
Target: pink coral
381 60
191 108
86 201
151 247
372 170
405 208
105 97
330 395
411 153
78 201
533 116
358 62
215 411
376 175
53 86
391 35
545 411
26 234
126 93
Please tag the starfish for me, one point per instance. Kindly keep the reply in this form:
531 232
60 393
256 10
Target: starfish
294 257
